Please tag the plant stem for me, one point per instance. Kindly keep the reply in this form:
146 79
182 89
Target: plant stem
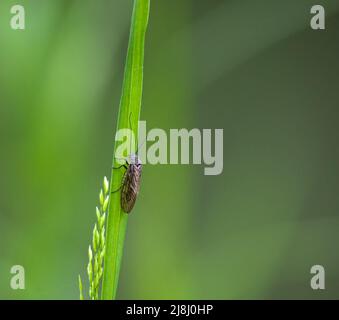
130 104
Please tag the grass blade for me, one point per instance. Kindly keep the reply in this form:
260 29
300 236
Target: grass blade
130 103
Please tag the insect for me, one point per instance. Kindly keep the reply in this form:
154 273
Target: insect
130 182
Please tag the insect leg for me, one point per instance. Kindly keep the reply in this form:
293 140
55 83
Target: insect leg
117 189
123 165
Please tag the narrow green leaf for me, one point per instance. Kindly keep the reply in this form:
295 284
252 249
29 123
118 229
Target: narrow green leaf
130 104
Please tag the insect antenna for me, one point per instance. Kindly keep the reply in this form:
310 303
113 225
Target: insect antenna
141 145
138 146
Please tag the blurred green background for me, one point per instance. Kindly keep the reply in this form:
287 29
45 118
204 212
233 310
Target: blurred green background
254 68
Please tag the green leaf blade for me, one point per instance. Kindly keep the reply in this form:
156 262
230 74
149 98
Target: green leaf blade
130 104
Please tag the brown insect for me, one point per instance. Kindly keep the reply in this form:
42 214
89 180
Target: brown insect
130 182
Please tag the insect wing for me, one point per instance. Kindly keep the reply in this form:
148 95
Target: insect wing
130 187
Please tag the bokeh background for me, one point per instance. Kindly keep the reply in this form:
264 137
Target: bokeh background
254 68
